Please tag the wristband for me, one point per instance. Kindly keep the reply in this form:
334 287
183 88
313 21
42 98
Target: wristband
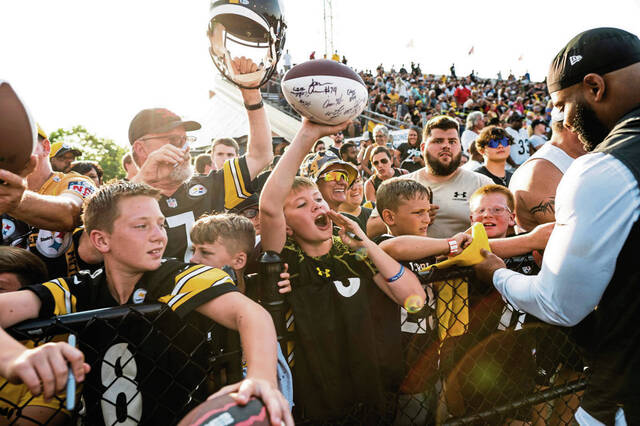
254 106
453 247
397 276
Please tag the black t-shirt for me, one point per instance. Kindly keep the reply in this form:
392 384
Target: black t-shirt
347 349
504 181
410 165
362 218
221 190
59 251
137 372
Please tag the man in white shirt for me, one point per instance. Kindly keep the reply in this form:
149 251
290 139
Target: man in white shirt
589 271
475 123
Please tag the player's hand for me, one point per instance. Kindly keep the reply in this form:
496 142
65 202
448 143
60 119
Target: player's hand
284 284
276 404
433 211
11 190
485 269
161 163
463 239
315 131
350 232
539 236
44 369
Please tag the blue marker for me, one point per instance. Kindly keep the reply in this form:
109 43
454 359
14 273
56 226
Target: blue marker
71 380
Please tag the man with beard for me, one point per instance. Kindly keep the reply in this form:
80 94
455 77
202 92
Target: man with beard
590 261
160 147
451 186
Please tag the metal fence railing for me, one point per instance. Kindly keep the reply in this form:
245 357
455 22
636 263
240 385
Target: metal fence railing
469 359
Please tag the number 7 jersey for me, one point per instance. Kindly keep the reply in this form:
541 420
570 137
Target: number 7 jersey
221 190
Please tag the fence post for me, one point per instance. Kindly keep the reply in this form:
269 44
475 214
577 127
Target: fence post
271 266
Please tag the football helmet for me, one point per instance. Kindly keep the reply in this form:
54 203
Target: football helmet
254 29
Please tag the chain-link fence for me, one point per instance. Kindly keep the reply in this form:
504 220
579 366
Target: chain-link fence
469 357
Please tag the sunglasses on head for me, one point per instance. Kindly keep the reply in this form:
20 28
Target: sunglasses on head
249 213
381 161
494 143
336 175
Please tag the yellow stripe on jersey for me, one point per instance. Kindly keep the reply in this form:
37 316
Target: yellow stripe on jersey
193 281
235 190
65 302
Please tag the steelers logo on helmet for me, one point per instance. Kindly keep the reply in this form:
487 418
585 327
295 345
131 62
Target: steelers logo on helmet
254 29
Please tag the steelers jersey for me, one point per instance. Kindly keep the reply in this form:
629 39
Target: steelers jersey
144 371
14 232
221 190
59 251
347 340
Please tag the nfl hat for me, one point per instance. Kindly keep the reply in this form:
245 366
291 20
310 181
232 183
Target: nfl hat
599 50
157 120
61 148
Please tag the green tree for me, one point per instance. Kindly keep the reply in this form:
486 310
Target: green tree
105 151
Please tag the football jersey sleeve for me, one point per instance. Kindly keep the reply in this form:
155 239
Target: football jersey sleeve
55 296
77 185
195 286
237 182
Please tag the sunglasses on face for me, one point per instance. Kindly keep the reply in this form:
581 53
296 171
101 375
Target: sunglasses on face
381 161
336 175
494 143
249 213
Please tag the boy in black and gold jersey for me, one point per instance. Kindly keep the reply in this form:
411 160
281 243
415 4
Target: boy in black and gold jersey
125 224
344 299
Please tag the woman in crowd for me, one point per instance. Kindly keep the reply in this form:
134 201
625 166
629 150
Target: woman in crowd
383 170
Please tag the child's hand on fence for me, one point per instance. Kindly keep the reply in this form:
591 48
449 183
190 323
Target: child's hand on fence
276 404
284 283
45 370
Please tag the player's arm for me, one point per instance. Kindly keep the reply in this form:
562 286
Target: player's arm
413 247
278 186
364 160
397 282
56 213
259 147
535 196
258 336
42 369
369 191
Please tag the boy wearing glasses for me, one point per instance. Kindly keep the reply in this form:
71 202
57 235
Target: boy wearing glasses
494 144
347 361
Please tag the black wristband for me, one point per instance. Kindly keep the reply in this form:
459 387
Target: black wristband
254 106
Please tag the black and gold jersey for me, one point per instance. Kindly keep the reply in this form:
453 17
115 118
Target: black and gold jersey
347 348
217 192
144 370
59 251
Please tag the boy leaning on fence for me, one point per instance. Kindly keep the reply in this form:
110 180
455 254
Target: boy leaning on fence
404 206
344 298
125 224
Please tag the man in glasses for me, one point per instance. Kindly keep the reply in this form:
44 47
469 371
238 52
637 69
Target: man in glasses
160 147
333 177
494 144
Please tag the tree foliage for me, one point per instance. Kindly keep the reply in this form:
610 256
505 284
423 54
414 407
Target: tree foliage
105 151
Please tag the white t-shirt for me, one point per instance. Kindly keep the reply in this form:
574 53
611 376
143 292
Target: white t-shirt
453 198
520 147
467 138
537 140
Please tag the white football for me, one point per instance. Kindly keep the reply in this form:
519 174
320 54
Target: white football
325 91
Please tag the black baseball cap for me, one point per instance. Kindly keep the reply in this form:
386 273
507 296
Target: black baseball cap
599 50
157 120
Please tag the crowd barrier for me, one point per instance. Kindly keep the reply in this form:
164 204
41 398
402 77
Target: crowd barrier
472 359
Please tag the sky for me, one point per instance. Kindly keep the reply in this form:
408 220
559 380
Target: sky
97 64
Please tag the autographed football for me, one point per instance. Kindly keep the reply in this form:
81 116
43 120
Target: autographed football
224 410
324 91
18 135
